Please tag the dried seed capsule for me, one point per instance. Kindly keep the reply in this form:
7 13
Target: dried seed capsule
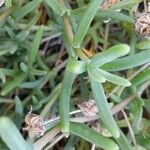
108 3
1 2
88 108
35 126
142 24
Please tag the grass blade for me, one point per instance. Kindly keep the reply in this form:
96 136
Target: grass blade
56 7
103 108
92 136
23 11
9 86
35 47
85 22
14 139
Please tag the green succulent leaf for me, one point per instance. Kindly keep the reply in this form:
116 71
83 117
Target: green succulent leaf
141 77
64 101
95 74
85 22
128 62
113 78
92 136
14 139
104 109
143 45
102 14
110 54
76 67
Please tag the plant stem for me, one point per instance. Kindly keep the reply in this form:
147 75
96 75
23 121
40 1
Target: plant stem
39 144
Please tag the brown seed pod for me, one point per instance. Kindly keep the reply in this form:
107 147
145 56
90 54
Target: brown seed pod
88 108
108 3
35 126
142 24
1 2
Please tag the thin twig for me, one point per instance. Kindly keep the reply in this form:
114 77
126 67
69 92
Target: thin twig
115 109
38 145
122 104
143 87
57 118
50 37
138 71
55 141
93 147
129 126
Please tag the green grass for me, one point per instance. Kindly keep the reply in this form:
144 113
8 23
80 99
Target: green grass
55 54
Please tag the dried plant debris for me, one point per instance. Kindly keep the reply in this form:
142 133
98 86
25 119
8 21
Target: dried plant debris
96 126
142 24
50 60
108 3
88 108
1 2
34 125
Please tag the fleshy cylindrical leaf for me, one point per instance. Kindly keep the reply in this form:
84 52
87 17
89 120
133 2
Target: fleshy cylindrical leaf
110 54
92 136
104 109
113 78
11 136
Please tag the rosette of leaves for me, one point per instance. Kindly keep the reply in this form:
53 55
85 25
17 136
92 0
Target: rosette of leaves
97 76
